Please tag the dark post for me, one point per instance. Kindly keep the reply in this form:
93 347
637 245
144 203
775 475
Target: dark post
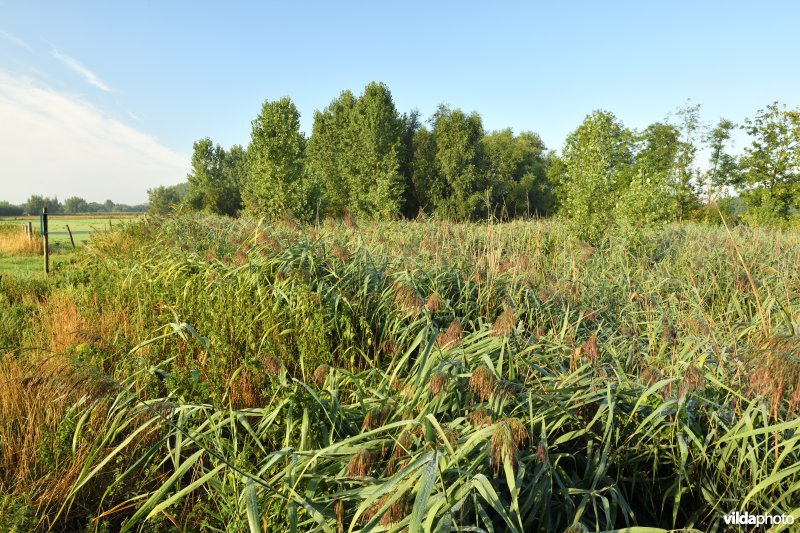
30 230
70 237
44 240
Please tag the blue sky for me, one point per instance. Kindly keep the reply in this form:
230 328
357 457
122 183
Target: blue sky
104 100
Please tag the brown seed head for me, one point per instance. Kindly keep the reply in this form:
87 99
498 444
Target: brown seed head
505 323
271 364
321 373
452 336
437 382
482 382
502 446
360 463
591 350
480 417
376 417
434 303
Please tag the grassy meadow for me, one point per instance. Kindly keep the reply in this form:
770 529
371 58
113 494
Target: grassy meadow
204 373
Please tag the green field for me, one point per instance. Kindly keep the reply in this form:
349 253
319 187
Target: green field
205 373
82 227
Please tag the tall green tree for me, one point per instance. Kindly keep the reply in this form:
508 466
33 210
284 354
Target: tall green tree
75 204
460 189
35 203
212 187
328 149
514 167
423 172
596 157
276 184
686 178
376 186
771 164
409 126
722 166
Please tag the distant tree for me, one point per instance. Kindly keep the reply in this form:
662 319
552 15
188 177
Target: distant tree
109 206
515 170
35 204
276 184
596 156
460 189
10 210
163 199
771 164
75 204
328 149
213 186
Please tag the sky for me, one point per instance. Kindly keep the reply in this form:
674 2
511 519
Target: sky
103 100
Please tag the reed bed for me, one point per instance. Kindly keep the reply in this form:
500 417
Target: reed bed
414 376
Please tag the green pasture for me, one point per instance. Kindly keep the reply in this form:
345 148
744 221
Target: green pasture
82 227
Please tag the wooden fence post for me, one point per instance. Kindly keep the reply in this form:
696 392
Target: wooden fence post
44 240
70 237
30 230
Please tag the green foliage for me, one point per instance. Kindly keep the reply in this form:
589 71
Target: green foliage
771 164
36 203
277 186
10 210
723 168
355 152
422 172
327 149
515 166
597 159
75 204
16 515
460 189
214 184
163 200
375 183
686 178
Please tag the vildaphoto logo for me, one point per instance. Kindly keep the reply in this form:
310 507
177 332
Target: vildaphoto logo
742 519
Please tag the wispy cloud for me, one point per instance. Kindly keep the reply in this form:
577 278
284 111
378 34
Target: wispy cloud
13 39
88 76
59 145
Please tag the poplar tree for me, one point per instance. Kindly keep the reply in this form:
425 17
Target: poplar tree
275 184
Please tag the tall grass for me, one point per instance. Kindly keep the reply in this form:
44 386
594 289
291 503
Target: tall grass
421 376
14 241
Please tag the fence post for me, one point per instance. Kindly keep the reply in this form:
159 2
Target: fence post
30 230
44 240
70 237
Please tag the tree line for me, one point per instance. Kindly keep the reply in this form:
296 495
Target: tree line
365 158
71 206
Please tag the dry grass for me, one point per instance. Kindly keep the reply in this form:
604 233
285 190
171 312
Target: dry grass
14 241
37 454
